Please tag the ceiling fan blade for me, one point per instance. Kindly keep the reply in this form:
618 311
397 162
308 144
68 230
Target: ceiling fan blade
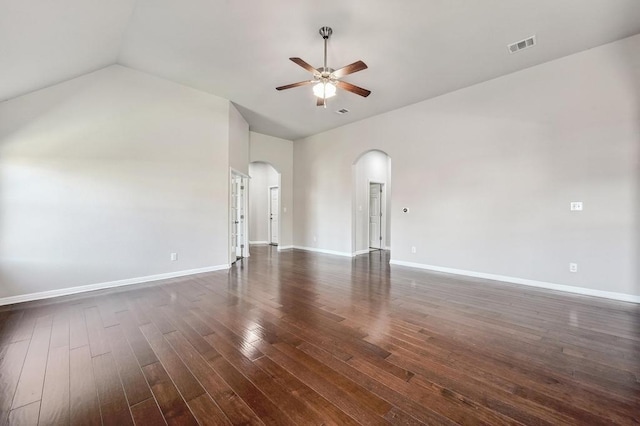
320 101
304 65
353 88
350 69
292 85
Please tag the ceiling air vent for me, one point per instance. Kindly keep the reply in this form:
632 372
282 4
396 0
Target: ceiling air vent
342 111
522 44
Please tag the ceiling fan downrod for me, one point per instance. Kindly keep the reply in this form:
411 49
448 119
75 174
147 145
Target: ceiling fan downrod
325 32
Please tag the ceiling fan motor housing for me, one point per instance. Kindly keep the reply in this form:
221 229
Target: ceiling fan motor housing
325 32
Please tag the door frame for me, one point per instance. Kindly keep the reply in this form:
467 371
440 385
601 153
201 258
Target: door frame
383 216
270 238
233 173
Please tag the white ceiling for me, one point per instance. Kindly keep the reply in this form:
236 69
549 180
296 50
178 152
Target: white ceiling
415 49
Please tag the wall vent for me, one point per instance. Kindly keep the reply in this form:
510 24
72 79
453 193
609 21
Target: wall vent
522 44
342 111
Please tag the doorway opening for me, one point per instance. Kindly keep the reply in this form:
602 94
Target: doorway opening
376 216
371 202
274 214
264 204
237 215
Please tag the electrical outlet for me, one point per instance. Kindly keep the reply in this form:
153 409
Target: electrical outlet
315 238
573 267
174 257
413 249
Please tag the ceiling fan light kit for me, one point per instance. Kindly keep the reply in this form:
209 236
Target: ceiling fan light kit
324 90
327 80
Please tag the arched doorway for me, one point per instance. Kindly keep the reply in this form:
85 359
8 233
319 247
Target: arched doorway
264 204
371 202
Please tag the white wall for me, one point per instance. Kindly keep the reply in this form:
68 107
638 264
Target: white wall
374 166
103 176
488 173
238 141
279 153
263 176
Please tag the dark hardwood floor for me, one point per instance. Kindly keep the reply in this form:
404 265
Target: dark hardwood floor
302 338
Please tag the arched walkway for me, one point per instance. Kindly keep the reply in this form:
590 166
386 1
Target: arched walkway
371 202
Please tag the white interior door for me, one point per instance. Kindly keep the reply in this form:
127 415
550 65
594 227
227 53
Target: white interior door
233 214
274 209
237 215
375 215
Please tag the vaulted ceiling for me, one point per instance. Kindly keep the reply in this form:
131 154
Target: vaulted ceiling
239 50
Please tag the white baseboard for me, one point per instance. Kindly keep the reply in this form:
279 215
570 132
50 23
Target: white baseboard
110 284
280 248
359 252
318 250
541 284
387 248
258 242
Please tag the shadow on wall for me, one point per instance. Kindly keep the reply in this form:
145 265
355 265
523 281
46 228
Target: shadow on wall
630 61
14 123
633 66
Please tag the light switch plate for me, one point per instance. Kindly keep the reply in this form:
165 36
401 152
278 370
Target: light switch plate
576 206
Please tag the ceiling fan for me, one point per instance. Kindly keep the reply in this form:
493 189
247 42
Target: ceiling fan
326 79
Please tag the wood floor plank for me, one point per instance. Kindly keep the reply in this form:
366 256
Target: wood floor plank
83 395
113 403
159 319
268 412
133 381
363 406
402 404
24 328
141 348
194 337
95 330
78 335
173 407
230 403
207 412
60 329
54 409
107 307
323 409
147 412
11 362
138 315
11 322
286 400
25 415
184 380
32 378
